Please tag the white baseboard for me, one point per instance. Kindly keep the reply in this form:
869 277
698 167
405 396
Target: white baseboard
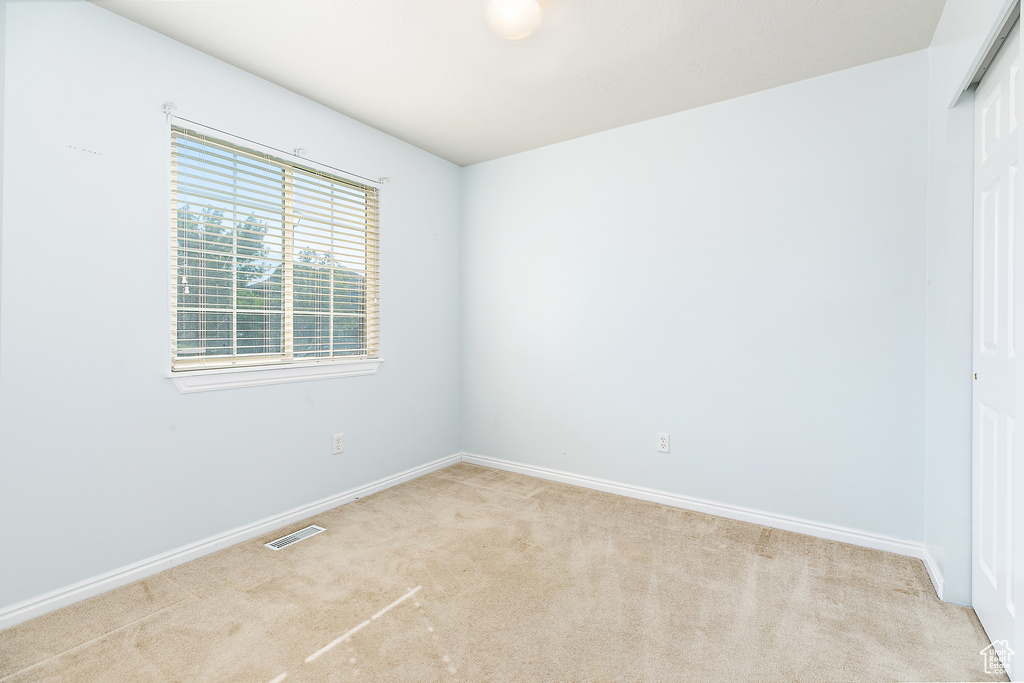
34 607
769 519
933 571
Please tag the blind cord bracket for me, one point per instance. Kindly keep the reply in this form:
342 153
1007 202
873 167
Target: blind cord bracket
169 108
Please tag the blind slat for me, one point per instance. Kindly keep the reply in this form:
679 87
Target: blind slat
230 156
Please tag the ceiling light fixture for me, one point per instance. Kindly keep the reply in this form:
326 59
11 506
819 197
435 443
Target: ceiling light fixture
513 19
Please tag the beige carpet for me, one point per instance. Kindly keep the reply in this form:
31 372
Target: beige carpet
471 574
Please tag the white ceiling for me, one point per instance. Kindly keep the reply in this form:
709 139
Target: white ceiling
430 73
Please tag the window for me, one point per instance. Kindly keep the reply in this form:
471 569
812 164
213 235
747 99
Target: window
274 263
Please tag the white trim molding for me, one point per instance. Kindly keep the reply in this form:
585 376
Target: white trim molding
192 381
801 526
934 573
34 607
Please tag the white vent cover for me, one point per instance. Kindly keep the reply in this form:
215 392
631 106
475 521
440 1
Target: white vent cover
311 530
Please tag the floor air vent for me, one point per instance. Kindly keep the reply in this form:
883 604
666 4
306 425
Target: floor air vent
311 530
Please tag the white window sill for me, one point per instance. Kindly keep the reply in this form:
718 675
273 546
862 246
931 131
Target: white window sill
192 381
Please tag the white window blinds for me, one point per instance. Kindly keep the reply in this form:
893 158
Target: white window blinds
273 262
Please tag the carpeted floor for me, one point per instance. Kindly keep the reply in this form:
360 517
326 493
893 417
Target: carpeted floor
472 574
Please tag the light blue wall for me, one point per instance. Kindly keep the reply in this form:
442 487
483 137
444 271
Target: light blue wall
104 463
3 71
748 276
959 38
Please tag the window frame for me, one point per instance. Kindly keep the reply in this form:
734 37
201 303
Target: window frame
236 370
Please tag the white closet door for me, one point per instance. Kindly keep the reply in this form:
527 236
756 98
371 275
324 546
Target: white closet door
996 270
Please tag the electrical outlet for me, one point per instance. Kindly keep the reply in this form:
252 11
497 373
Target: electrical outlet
662 443
339 444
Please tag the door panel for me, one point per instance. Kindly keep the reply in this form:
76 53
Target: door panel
989 269
987 423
